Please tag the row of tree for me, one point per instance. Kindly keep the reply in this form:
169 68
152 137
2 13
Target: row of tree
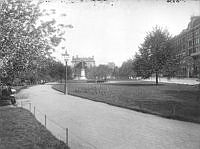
100 72
156 56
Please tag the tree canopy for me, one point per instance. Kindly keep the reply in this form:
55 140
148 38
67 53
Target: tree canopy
156 54
126 70
25 41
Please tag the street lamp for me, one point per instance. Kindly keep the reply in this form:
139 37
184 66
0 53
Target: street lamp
36 71
66 58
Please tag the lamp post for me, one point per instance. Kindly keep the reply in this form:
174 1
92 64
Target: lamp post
36 71
66 58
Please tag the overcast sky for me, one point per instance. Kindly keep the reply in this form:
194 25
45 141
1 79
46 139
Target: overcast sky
112 31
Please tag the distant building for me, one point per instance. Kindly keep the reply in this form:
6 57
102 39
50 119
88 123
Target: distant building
88 61
187 44
80 64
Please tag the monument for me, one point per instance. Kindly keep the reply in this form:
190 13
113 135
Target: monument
80 65
83 77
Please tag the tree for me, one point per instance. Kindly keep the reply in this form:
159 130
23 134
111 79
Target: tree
141 66
155 54
92 73
115 72
126 70
103 71
24 39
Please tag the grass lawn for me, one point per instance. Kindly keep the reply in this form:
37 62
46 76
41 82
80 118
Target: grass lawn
177 101
20 130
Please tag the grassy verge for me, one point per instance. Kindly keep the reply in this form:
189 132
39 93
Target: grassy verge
19 129
177 101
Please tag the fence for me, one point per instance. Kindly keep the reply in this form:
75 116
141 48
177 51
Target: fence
46 121
59 131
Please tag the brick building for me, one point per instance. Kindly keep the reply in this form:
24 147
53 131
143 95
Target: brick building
187 44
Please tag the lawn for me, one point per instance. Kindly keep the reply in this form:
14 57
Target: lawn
177 101
20 130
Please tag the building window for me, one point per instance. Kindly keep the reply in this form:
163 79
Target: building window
190 43
196 33
195 50
190 51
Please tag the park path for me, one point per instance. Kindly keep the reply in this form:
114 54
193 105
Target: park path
101 126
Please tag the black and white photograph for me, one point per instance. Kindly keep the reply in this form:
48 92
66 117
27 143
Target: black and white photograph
99 74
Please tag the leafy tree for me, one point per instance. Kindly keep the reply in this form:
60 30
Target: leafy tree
115 72
24 38
126 70
155 54
92 73
100 72
141 66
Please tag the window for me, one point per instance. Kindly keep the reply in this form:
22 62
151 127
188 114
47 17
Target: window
190 51
196 33
195 50
190 43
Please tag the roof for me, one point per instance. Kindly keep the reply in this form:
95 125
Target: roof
85 59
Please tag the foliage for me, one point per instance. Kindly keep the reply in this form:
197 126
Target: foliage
172 64
155 55
24 39
126 70
91 73
100 72
115 72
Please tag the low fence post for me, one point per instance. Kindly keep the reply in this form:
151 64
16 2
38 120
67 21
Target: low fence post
67 136
45 120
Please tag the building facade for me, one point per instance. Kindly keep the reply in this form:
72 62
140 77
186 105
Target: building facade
81 63
88 61
187 45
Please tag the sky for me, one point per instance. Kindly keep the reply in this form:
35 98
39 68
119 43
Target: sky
112 31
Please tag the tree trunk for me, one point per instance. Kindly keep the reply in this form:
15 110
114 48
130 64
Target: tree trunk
156 78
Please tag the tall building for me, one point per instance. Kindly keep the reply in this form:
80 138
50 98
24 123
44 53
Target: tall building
187 44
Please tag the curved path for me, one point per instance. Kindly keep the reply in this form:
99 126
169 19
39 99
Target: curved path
98 125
